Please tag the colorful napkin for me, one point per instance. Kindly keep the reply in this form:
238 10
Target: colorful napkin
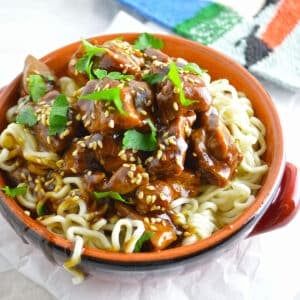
268 43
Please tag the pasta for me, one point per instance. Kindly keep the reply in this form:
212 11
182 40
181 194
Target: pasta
111 174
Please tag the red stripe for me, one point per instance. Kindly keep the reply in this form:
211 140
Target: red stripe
285 19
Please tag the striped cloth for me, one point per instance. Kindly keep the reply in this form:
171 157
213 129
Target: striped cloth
267 44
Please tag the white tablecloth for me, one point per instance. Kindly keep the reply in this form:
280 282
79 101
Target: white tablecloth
263 267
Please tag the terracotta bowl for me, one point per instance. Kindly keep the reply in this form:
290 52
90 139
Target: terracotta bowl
275 203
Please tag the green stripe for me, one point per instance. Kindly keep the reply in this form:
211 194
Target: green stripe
208 24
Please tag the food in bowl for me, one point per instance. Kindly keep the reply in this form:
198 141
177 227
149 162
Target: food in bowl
131 150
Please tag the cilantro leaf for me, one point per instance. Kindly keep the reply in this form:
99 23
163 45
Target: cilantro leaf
173 75
119 76
153 78
144 238
147 40
112 94
37 87
40 208
27 117
194 68
112 195
133 139
100 74
58 115
85 63
16 191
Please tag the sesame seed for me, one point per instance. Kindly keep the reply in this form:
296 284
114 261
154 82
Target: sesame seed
126 165
150 187
132 158
78 117
130 174
123 156
149 159
194 154
175 106
48 140
141 195
148 199
106 114
133 167
145 175
153 227
89 173
143 112
163 196
121 152
100 144
111 124
159 154
87 123
73 170
75 153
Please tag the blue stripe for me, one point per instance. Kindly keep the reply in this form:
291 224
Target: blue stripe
168 13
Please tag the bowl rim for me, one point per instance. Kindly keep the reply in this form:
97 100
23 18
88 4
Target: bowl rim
263 198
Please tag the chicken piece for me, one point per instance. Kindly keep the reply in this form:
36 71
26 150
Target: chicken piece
58 142
168 100
143 98
154 196
214 150
111 156
93 181
119 56
95 152
126 179
157 195
103 116
35 67
169 159
80 78
186 184
81 156
163 232
161 227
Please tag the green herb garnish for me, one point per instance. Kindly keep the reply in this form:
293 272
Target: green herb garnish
194 68
140 242
153 78
147 40
40 208
16 191
173 75
112 195
85 63
37 87
140 141
27 117
58 115
112 94
100 74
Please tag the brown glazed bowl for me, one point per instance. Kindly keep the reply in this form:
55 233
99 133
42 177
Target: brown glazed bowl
275 203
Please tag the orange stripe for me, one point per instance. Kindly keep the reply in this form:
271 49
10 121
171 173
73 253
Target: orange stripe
285 19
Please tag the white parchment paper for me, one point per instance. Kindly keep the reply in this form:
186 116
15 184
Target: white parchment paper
262 267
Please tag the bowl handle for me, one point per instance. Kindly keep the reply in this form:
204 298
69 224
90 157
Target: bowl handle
285 205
